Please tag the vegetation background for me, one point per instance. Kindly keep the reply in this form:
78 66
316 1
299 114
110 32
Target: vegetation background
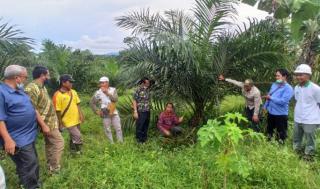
183 54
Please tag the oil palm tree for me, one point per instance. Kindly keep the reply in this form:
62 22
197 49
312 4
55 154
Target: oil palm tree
13 46
186 53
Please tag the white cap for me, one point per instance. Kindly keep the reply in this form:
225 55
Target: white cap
104 79
303 69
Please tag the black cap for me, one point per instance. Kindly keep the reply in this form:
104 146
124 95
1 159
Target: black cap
66 77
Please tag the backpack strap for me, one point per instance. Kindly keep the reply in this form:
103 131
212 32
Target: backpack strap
68 106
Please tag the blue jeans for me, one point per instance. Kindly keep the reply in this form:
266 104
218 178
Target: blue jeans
27 166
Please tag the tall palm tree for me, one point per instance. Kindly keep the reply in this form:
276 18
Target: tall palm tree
185 54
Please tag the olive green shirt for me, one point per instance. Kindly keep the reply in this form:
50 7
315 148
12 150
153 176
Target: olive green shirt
42 103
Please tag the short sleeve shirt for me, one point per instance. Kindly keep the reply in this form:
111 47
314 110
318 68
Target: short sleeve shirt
61 101
17 112
43 104
103 99
142 97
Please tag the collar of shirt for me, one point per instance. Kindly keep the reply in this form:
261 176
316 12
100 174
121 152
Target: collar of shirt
11 90
307 84
38 84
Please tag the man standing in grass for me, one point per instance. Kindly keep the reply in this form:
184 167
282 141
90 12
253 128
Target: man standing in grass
67 105
306 112
38 93
18 126
253 99
103 103
141 110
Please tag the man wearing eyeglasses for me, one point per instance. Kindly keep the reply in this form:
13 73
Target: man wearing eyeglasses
18 126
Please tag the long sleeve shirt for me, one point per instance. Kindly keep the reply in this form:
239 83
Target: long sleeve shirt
167 121
253 97
307 110
280 96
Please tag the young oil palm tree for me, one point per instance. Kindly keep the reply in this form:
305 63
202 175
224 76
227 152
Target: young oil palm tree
185 54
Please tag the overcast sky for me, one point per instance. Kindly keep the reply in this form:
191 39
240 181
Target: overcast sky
87 24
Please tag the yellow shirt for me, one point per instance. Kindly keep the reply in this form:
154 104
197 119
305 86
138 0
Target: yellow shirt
61 101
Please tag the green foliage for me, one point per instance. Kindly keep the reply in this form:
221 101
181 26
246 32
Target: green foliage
85 67
232 103
226 137
299 11
124 106
155 165
14 47
185 54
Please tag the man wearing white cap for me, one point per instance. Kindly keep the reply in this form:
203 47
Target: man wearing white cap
306 112
103 104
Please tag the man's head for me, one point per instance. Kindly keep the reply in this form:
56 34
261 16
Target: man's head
104 82
248 84
145 82
41 74
303 73
66 81
16 74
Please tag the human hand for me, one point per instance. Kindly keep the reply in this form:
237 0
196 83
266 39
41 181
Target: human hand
180 119
82 118
267 97
135 115
45 130
255 118
99 113
10 146
221 78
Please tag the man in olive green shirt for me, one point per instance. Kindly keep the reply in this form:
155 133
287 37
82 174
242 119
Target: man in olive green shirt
54 142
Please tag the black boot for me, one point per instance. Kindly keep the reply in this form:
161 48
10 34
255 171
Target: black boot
73 147
78 148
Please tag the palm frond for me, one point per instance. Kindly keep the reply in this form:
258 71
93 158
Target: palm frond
211 18
142 22
10 36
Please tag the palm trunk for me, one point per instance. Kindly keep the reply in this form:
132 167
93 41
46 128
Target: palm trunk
198 115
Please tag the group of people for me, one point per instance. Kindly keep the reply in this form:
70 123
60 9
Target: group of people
306 111
26 109
23 109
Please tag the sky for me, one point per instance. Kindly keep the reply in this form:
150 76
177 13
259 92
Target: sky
88 24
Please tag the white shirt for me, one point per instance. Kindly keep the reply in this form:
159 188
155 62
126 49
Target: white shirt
104 99
307 109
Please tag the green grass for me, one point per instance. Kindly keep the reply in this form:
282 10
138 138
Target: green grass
162 164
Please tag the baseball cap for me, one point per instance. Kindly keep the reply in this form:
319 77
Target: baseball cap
104 79
66 77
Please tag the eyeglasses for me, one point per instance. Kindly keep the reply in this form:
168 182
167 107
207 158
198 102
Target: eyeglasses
23 76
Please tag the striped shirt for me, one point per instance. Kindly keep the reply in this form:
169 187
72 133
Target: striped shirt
42 103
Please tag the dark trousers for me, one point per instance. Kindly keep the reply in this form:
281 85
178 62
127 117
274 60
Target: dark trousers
254 126
280 123
175 131
142 126
27 166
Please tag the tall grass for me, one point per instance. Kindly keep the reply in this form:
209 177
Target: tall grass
158 164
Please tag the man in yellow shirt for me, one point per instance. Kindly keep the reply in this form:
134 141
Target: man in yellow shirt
67 105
